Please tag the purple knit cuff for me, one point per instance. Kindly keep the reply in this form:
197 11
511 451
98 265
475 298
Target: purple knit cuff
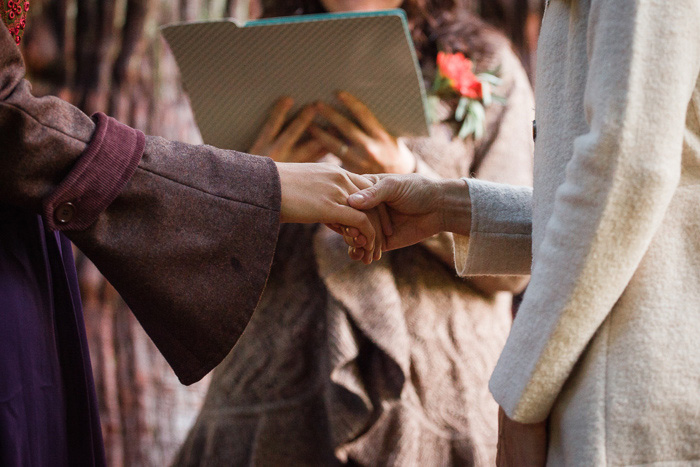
100 174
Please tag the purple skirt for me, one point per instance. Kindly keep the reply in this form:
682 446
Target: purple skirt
48 407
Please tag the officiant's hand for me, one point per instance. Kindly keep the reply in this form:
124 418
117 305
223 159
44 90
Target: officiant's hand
314 193
418 207
288 143
364 149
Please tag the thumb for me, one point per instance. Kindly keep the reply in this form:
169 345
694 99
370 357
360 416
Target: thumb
371 197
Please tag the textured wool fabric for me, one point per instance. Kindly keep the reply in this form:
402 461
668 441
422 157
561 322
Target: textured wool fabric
188 242
384 364
500 241
98 177
605 342
185 233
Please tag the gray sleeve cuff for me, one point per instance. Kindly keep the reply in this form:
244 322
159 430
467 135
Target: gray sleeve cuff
500 241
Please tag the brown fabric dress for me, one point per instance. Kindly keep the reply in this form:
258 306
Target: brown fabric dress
379 365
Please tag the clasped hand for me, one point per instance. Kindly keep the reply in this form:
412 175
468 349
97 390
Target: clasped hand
318 193
393 210
374 213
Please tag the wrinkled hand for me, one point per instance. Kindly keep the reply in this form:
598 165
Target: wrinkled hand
418 207
366 149
287 144
314 193
520 444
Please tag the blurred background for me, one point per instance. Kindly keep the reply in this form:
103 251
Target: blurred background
107 55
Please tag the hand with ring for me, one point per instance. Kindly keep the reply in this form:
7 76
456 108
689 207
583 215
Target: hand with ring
363 149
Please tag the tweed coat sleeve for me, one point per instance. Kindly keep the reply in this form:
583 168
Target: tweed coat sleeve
644 63
185 233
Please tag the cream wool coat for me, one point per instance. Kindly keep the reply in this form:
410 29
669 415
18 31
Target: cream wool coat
607 341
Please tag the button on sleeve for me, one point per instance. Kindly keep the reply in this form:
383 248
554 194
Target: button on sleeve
97 178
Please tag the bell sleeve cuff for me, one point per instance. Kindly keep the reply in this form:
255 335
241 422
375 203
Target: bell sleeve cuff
101 173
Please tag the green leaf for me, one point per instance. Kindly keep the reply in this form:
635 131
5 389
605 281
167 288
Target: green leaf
490 78
467 127
433 105
437 83
478 130
478 114
461 108
477 109
486 97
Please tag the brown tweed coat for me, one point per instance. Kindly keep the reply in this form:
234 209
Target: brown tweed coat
185 233
379 365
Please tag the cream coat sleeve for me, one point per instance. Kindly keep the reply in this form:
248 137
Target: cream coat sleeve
644 61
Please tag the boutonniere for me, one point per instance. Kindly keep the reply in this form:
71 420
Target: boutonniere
456 80
14 15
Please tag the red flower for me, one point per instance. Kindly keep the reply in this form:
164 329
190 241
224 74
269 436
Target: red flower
458 70
471 88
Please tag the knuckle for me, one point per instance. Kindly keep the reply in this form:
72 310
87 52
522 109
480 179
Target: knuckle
390 183
338 193
335 174
373 190
346 179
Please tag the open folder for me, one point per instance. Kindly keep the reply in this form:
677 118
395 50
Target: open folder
234 73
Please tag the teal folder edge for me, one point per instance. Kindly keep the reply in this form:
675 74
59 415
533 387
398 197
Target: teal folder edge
332 16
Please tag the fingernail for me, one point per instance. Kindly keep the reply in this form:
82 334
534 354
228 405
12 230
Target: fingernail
354 239
357 198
